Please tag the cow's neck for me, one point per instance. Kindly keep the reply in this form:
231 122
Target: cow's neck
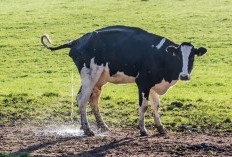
172 68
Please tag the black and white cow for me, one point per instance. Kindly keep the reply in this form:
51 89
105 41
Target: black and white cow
120 54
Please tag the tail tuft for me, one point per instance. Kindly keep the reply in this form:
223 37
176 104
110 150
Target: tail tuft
46 37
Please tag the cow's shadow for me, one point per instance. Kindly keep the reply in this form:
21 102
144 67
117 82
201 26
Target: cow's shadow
102 150
42 145
98 151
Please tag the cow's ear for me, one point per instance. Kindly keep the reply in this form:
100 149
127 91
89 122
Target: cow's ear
172 50
200 51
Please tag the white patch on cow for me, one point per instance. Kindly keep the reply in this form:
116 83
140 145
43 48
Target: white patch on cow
185 51
121 77
163 86
118 78
106 68
89 78
137 75
160 43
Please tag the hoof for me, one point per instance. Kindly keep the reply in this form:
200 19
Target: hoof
144 133
89 133
161 130
104 129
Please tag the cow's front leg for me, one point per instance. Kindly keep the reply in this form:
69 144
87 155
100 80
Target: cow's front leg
94 101
82 98
155 102
143 105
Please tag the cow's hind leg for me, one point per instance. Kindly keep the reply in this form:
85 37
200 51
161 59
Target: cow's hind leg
94 101
155 106
89 78
82 99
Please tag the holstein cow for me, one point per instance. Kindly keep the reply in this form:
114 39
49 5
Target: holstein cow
121 54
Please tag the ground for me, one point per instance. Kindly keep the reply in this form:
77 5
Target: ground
38 141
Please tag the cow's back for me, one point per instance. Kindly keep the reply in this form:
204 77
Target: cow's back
126 47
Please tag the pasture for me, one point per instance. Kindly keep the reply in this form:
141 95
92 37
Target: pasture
39 87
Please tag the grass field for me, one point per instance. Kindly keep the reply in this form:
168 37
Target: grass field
36 85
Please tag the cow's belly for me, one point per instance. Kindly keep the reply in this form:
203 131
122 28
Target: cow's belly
118 78
121 78
163 87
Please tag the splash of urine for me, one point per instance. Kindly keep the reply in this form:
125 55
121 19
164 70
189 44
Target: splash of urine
65 131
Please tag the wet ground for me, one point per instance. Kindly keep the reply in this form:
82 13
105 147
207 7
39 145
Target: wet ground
69 141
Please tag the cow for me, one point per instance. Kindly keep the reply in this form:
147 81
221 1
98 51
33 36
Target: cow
123 54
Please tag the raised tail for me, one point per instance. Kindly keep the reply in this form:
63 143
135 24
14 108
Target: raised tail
45 36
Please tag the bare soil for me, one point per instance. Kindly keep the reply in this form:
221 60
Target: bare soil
20 140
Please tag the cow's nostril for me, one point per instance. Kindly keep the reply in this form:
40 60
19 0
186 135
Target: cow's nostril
184 77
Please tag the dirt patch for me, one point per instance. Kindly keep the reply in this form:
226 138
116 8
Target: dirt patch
31 140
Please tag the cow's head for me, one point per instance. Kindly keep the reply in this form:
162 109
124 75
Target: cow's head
186 53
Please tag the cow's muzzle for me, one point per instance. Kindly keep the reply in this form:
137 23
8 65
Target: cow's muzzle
184 77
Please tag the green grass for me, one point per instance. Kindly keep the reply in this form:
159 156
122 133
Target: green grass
13 155
35 84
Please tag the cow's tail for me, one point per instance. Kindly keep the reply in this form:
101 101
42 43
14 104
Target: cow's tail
45 36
